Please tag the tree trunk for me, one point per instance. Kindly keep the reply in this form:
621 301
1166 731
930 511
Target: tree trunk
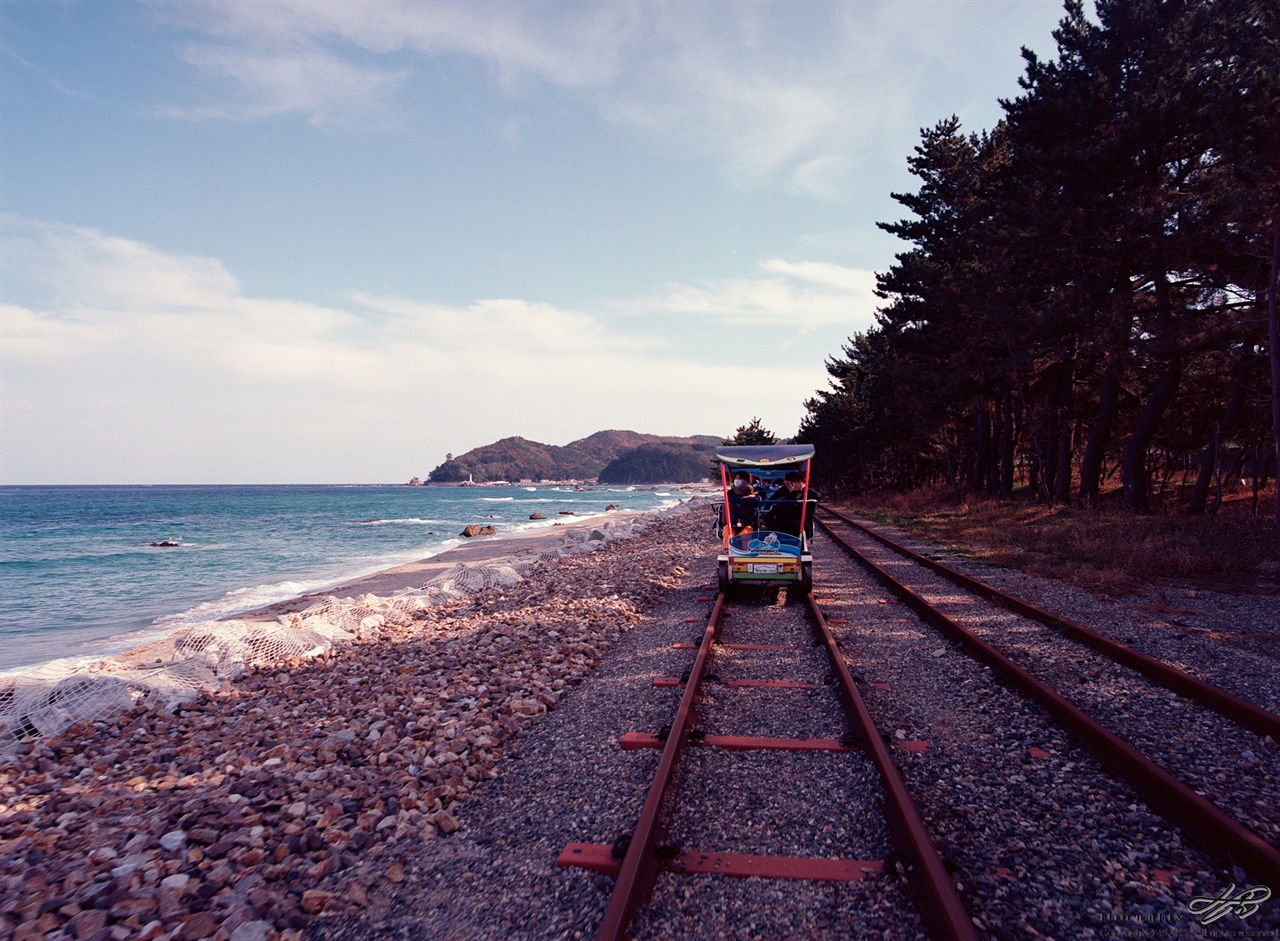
1095 451
1273 317
981 444
1049 447
1006 441
1133 470
1066 432
1209 459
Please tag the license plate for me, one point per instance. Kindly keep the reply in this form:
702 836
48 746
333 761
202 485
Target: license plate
762 569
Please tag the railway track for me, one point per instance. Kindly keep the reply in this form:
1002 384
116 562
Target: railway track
743 648
1092 685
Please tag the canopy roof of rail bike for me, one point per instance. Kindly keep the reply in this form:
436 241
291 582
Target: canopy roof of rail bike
766 460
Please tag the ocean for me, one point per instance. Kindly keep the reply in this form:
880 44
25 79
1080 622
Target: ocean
81 576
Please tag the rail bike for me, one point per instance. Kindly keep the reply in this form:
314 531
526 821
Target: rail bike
765 538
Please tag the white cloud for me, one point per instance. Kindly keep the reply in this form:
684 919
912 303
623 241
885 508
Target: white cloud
317 83
801 295
774 91
121 363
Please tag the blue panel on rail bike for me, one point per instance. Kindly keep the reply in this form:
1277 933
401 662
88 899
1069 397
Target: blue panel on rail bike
764 543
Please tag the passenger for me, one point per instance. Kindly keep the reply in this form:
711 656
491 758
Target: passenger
782 513
744 504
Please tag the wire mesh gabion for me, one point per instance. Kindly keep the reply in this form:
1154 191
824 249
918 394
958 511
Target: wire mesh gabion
44 701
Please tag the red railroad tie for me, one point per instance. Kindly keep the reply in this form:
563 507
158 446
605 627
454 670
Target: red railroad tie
881 686
1034 752
917 747
738 743
756 646
599 857
692 620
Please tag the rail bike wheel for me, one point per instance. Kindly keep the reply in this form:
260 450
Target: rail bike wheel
722 577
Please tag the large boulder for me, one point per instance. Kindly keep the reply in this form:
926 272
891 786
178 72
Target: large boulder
536 516
475 530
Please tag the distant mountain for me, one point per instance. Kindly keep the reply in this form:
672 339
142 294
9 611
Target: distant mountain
515 459
660 463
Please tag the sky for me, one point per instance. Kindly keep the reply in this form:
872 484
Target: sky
329 242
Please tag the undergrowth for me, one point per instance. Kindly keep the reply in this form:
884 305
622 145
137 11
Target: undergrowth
1104 549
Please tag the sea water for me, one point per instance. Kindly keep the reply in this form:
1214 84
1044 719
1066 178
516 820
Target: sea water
82 574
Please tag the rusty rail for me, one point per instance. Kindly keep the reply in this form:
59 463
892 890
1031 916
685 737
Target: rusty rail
640 864
943 913
1206 824
941 910
1247 714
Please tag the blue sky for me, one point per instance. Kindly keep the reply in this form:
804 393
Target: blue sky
330 242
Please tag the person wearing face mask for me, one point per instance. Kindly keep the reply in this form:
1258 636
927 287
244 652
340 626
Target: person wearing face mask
744 504
783 512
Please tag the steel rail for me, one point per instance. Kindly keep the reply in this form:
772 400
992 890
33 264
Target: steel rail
640 864
1241 711
941 910
1204 822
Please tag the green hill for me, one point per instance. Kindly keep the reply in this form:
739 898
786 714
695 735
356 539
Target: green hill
660 463
517 458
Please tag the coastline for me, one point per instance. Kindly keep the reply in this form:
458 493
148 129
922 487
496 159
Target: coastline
478 550
264 590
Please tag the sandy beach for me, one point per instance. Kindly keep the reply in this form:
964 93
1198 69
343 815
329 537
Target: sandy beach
245 812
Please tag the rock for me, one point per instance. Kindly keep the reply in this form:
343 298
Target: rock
197 926
610 508
252 931
174 840
166 544
176 882
128 907
568 513
536 516
314 901
86 924
475 530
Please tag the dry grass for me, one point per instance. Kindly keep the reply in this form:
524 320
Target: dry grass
1106 549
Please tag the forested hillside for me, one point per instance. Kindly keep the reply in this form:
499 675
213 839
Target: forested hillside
514 459
1089 291
661 464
